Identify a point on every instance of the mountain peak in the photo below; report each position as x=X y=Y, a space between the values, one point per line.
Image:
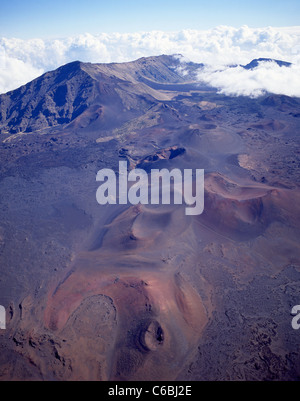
x=255 y=63
x=46 y=101
x=60 y=96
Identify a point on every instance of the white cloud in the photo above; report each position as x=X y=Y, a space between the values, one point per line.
x=23 y=60
x=15 y=72
x=266 y=77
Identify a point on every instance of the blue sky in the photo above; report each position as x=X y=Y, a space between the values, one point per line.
x=57 y=18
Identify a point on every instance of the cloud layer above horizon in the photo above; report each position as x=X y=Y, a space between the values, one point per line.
x=24 y=60
x=266 y=77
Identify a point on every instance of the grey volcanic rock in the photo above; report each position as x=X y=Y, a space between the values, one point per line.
x=144 y=292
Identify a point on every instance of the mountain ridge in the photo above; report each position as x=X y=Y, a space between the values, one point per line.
x=255 y=63
x=58 y=97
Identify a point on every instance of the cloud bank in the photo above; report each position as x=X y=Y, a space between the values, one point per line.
x=266 y=77
x=24 y=60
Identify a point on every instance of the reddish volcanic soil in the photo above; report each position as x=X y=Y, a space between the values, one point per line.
x=160 y=314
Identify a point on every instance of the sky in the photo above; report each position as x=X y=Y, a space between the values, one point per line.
x=38 y=36
x=27 y=19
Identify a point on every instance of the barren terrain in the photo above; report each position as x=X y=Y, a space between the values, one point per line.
x=122 y=292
